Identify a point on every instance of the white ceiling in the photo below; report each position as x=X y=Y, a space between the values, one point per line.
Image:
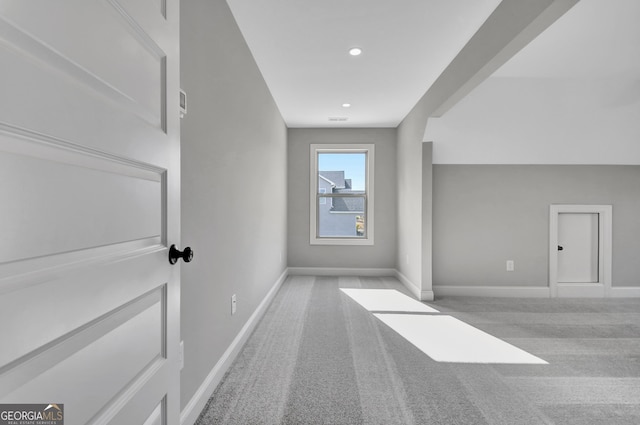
x=301 y=48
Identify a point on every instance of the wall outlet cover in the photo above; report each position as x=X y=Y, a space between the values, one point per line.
x=510 y=265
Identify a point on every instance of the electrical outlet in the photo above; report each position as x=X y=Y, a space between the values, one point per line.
x=510 y=265
x=233 y=304
x=181 y=355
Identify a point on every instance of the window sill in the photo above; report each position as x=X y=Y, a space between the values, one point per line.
x=342 y=241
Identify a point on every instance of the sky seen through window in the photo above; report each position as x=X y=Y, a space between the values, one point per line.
x=353 y=165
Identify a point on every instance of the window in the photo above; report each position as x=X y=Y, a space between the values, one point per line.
x=341 y=194
x=323 y=200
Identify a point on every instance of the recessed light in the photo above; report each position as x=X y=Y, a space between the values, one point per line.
x=346 y=105
x=355 y=51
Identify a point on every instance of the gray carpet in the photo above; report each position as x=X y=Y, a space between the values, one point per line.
x=318 y=357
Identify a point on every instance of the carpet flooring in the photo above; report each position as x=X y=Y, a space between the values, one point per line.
x=318 y=357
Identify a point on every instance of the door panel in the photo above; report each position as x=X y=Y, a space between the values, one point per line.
x=48 y=93
x=47 y=310
x=108 y=35
x=156 y=416
x=149 y=14
x=89 y=182
x=51 y=222
x=104 y=368
x=578 y=237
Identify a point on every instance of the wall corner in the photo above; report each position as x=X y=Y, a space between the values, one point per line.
x=427 y=221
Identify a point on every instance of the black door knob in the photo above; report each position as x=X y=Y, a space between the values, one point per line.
x=175 y=254
x=560 y=248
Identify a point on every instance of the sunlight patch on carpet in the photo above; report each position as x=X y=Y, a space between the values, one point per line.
x=447 y=339
x=386 y=300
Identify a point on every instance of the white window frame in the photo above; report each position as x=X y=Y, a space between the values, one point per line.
x=315 y=149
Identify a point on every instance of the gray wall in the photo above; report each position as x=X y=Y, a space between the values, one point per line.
x=233 y=186
x=383 y=253
x=484 y=215
x=410 y=175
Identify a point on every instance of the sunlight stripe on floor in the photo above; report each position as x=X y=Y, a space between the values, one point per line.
x=447 y=339
x=386 y=300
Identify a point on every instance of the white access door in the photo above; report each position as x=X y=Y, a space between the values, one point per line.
x=89 y=202
x=578 y=242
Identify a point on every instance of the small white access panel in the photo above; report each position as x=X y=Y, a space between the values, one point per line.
x=580 y=250
x=578 y=247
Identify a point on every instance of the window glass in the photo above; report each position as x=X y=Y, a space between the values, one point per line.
x=341 y=201
x=343 y=169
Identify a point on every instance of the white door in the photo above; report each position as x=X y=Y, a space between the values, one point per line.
x=89 y=202
x=578 y=243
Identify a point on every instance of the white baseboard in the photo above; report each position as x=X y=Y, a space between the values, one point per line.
x=581 y=290
x=408 y=284
x=492 y=291
x=369 y=272
x=340 y=271
x=413 y=288
x=531 y=291
x=625 y=292
x=427 y=295
x=192 y=410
